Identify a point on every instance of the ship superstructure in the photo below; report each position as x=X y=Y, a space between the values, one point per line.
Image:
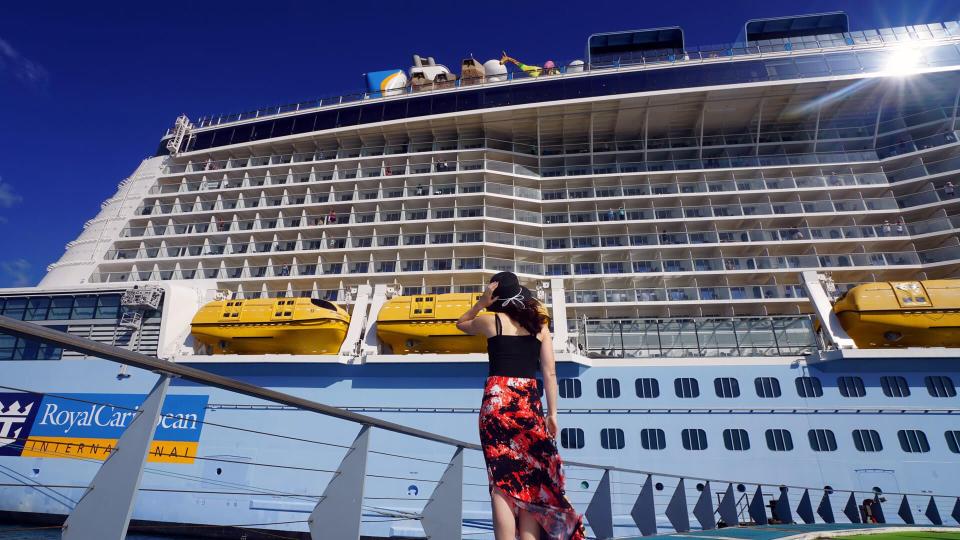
x=662 y=199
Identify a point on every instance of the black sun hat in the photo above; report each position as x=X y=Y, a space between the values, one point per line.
x=509 y=292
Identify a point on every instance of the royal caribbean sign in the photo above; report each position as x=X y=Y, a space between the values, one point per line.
x=88 y=425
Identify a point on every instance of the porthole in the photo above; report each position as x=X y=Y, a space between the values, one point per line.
x=658 y=486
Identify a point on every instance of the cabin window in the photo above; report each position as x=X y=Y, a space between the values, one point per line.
x=647 y=388
x=608 y=388
x=726 y=387
x=571 y=438
x=767 y=387
x=779 y=440
x=686 y=387
x=940 y=386
x=822 y=440
x=867 y=440
x=653 y=439
x=913 y=441
x=894 y=386
x=953 y=440
x=808 y=387
x=851 y=386
x=694 y=439
x=736 y=439
x=611 y=438
x=569 y=388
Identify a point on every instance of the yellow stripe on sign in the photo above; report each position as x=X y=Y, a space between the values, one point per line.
x=67 y=447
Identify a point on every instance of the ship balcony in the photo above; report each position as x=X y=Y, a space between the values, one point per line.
x=609 y=268
x=888 y=207
x=176 y=204
x=646 y=240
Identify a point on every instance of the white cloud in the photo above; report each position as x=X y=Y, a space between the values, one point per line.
x=7 y=197
x=25 y=70
x=17 y=272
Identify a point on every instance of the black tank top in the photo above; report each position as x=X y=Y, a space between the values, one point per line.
x=513 y=356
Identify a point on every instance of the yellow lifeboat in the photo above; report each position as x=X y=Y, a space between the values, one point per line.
x=271 y=326
x=902 y=314
x=427 y=324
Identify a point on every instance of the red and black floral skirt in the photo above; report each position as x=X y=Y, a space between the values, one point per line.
x=522 y=459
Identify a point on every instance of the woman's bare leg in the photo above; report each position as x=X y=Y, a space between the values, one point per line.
x=504 y=522
x=529 y=527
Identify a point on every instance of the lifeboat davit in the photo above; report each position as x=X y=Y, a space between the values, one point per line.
x=902 y=314
x=427 y=324
x=271 y=326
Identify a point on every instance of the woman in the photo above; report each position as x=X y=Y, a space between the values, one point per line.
x=523 y=466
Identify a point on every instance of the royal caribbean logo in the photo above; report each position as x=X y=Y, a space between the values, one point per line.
x=88 y=425
x=17 y=411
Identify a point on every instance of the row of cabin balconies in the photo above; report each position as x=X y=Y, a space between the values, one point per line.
x=799 y=235
x=222 y=200
x=786 y=134
x=736 y=210
x=750 y=265
x=921 y=166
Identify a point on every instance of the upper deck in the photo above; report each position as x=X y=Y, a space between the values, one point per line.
x=849 y=54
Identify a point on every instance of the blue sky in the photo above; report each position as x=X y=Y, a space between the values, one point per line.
x=88 y=88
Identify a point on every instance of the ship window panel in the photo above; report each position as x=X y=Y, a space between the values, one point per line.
x=736 y=440
x=811 y=66
x=851 y=386
x=418 y=107
x=944 y=55
x=809 y=387
x=15 y=308
x=282 y=127
x=108 y=306
x=395 y=110
x=304 y=123
x=894 y=386
x=571 y=438
x=569 y=388
x=348 y=116
x=913 y=441
x=371 y=113
x=843 y=63
x=686 y=387
x=608 y=388
x=262 y=130
x=37 y=308
x=647 y=388
x=779 y=440
x=867 y=440
x=767 y=387
x=468 y=101
x=726 y=387
x=940 y=386
x=694 y=439
x=822 y=440
x=653 y=439
x=953 y=440
x=611 y=438
x=26 y=349
x=7 y=344
x=325 y=120
x=443 y=104
x=84 y=307
x=60 y=307
x=782 y=69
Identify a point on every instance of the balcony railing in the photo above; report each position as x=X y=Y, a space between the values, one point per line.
x=722 y=265
x=704 y=239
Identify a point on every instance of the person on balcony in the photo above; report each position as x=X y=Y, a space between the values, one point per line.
x=519 y=445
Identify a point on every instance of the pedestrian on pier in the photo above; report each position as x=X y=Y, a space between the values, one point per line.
x=519 y=444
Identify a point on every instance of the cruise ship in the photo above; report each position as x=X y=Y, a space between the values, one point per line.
x=664 y=200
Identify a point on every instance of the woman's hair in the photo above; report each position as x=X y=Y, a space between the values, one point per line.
x=532 y=316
